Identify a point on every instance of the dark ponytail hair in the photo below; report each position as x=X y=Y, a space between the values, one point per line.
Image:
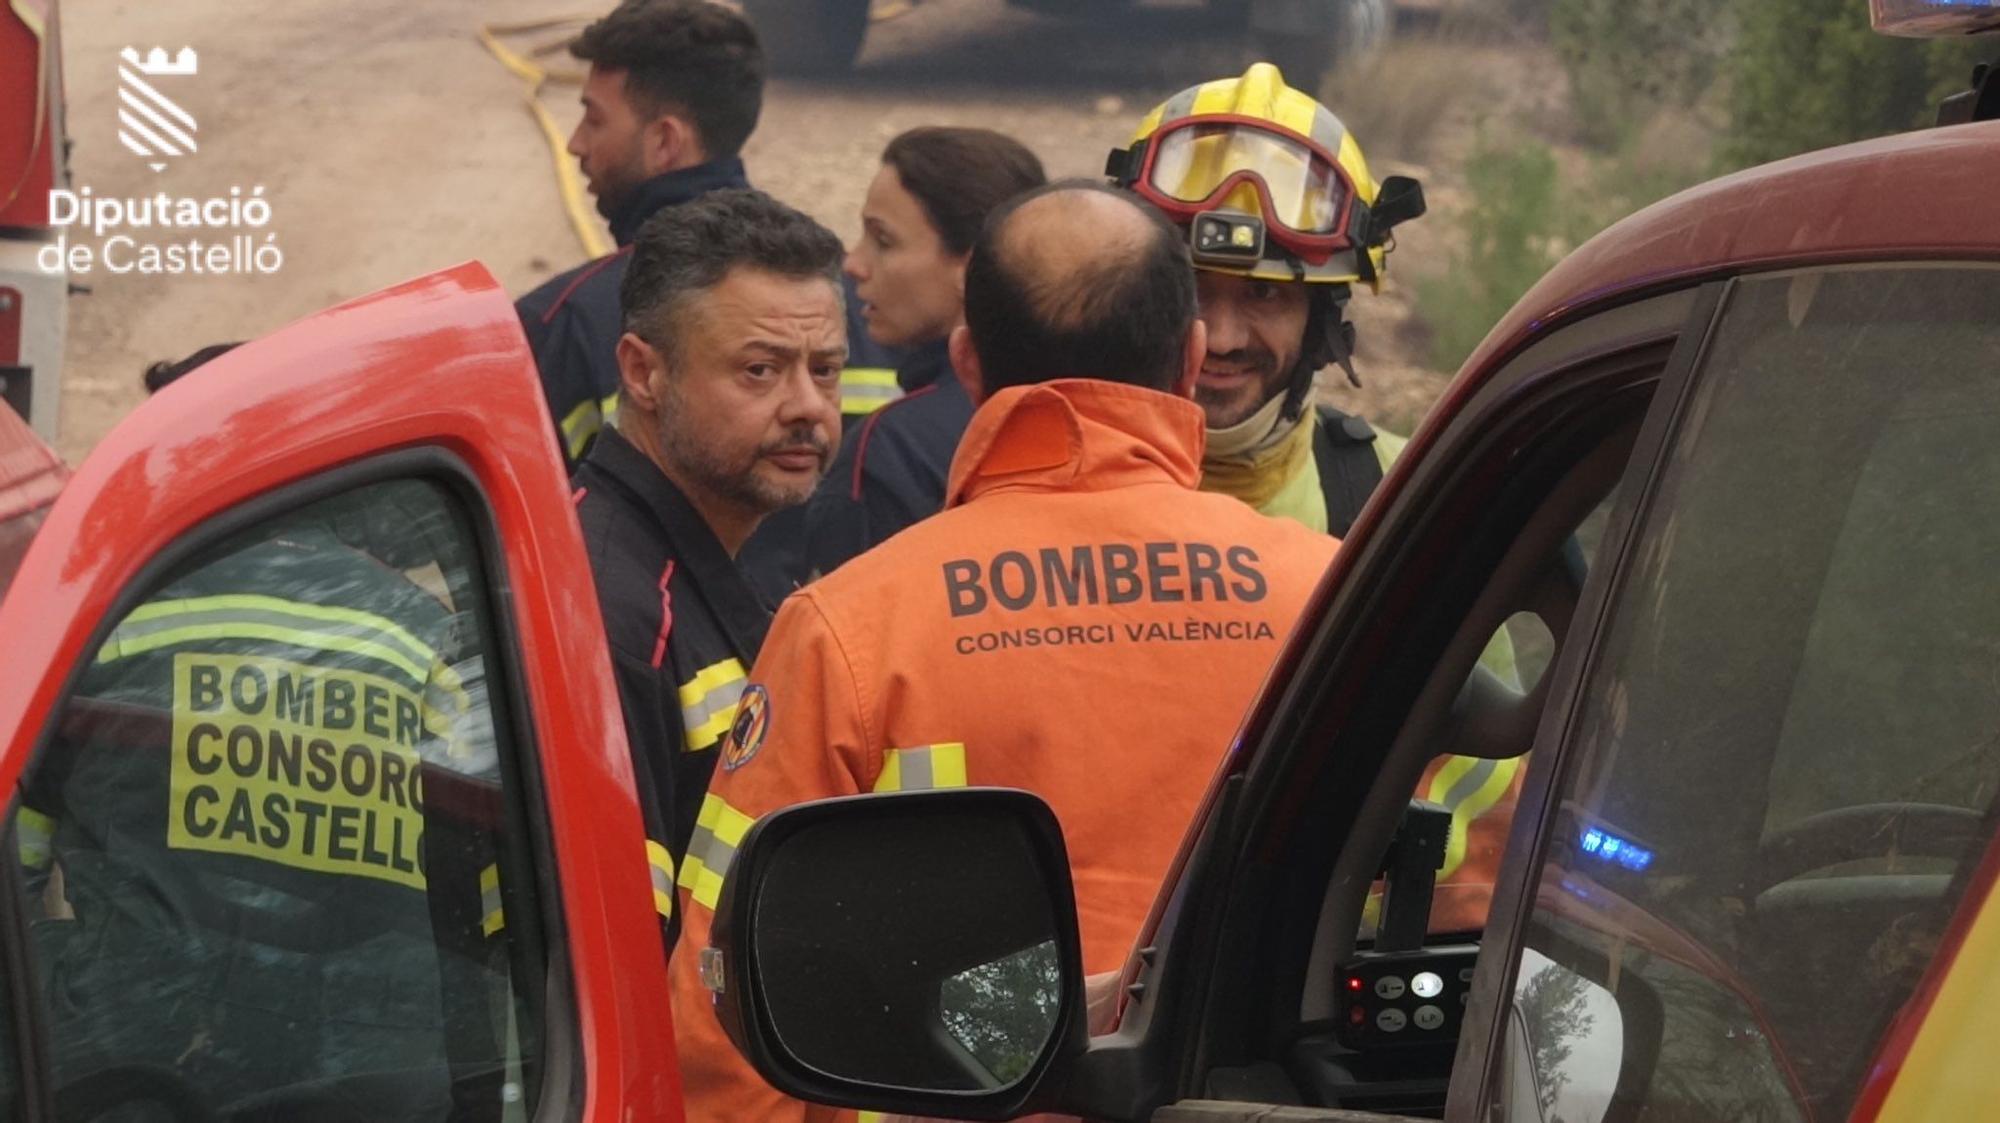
x=961 y=175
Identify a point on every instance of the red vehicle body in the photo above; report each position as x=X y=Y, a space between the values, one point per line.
x=32 y=162
x=359 y=384
x=327 y=392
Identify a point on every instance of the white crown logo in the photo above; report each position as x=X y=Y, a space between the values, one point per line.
x=151 y=124
x=156 y=63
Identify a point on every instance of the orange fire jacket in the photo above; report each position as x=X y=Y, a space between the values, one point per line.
x=1079 y=622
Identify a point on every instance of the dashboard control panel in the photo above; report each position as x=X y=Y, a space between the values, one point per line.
x=1405 y=997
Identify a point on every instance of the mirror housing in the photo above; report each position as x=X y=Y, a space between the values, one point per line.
x=911 y=952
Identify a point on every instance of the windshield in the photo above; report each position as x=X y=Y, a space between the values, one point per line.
x=1790 y=749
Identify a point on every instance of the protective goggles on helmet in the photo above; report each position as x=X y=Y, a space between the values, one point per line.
x=1190 y=167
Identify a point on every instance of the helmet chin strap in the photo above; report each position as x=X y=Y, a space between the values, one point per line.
x=1329 y=339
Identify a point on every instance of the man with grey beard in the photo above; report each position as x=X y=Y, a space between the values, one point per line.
x=729 y=409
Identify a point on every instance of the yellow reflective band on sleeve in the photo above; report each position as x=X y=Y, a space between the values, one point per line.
x=925 y=766
x=867 y=389
x=586 y=421
x=255 y=617
x=492 y=917
x=661 y=865
x=1468 y=787
x=34 y=836
x=718 y=831
x=708 y=703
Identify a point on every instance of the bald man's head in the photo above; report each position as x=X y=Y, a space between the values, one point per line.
x=1079 y=280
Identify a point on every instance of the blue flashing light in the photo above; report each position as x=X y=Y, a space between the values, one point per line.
x=1613 y=850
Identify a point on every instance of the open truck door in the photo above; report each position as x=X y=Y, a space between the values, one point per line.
x=316 y=773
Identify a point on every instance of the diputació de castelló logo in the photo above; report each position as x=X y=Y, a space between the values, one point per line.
x=161 y=233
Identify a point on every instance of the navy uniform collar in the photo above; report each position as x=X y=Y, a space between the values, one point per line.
x=923 y=365
x=672 y=189
x=696 y=549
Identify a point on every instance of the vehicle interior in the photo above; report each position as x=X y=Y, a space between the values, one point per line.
x=1356 y=997
x=1837 y=823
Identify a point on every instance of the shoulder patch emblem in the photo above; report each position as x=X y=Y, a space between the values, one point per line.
x=746 y=733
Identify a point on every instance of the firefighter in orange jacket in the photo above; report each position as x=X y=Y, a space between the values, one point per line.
x=1079 y=621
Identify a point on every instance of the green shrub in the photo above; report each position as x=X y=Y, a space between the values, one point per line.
x=1807 y=74
x=1512 y=233
x=1627 y=59
x=1525 y=213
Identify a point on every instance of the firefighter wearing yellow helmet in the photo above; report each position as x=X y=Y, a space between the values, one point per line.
x=1282 y=219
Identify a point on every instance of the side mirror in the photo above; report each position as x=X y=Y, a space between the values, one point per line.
x=1565 y=1038
x=1397 y=201
x=911 y=952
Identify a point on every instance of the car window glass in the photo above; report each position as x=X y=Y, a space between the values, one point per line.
x=266 y=847
x=1481 y=793
x=1786 y=762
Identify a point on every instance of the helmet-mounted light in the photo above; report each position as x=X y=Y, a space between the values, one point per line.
x=1226 y=239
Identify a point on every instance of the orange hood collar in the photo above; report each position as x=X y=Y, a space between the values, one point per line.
x=1077 y=434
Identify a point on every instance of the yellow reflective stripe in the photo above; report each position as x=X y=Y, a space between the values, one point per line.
x=493 y=917
x=253 y=602
x=115 y=649
x=254 y=616
x=157 y=617
x=867 y=389
x=583 y=423
x=661 y=866
x=1468 y=787
x=436 y=721
x=34 y=836
x=718 y=830
x=708 y=703
x=924 y=766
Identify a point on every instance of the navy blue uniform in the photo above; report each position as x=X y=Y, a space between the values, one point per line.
x=684 y=627
x=891 y=471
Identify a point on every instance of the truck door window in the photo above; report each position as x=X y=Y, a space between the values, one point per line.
x=1786 y=760
x=271 y=850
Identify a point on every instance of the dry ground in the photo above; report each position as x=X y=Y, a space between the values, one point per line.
x=390 y=144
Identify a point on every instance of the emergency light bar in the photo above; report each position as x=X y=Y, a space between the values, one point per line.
x=1614 y=850
x=1928 y=18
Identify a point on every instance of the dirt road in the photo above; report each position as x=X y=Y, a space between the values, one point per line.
x=389 y=143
